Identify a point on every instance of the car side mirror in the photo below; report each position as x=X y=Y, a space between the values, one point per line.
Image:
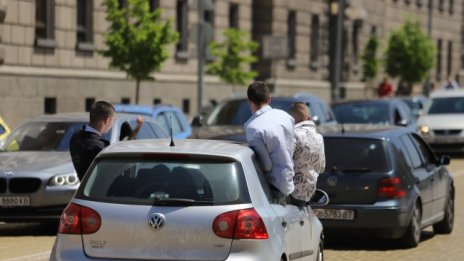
x=319 y=198
x=402 y=122
x=315 y=119
x=444 y=160
x=197 y=121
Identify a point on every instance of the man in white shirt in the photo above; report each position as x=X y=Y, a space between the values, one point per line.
x=270 y=133
x=309 y=155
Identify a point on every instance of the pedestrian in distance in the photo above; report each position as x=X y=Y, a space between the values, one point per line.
x=87 y=142
x=308 y=157
x=385 y=88
x=270 y=133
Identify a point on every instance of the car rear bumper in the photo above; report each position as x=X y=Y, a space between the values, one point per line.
x=31 y=214
x=382 y=222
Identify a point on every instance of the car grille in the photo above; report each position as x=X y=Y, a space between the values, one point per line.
x=24 y=185
x=447 y=132
x=2 y=186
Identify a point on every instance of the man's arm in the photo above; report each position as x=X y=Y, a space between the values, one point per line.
x=255 y=141
x=134 y=132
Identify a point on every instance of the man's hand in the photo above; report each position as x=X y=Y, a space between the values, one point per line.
x=139 y=120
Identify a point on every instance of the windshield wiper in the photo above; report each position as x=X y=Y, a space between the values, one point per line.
x=353 y=169
x=180 y=202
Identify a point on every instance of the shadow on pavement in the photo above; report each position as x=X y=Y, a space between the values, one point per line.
x=28 y=229
x=367 y=243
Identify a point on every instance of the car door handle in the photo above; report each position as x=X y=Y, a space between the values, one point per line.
x=302 y=222
x=284 y=223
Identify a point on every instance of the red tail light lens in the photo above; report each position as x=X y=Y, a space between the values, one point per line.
x=77 y=219
x=240 y=224
x=391 y=188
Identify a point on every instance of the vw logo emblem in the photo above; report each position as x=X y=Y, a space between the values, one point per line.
x=8 y=173
x=156 y=221
x=332 y=181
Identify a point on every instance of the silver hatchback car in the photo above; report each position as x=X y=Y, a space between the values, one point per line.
x=37 y=177
x=197 y=200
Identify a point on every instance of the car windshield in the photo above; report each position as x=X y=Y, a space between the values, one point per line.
x=237 y=112
x=445 y=105
x=166 y=182
x=41 y=136
x=356 y=155
x=373 y=113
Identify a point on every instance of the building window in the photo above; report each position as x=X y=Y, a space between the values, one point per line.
x=449 y=66
x=88 y=103
x=125 y=100
x=233 y=16
x=182 y=29
x=441 y=5
x=85 y=25
x=407 y=1
x=122 y=4
x=450 y=7
x=156 y=101
x=154 y=4
x=438 y=69
x=314 y=41
x=45 y=23
x=373 y=30
x=355 y=39
x=291 y=35
x=419 y=3
x=50 y=105
x=186 y=106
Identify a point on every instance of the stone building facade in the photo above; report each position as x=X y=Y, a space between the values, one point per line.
x=51 y=64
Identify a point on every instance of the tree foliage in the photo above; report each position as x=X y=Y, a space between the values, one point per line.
x=137 y=39
x=370 y=63
x=410 y=53
x=233 y=58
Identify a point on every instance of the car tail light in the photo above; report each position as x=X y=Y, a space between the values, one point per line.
x=240 y=224
x=78 y=219
x=391 y=188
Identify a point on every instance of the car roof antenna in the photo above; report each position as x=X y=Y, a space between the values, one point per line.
x=170 y=132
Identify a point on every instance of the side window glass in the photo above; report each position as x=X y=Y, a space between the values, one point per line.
x=161 y=120
x=172 y=117
x=159 y=131
x=144 y=133
x=262 y=180
x=412 y=151
x=424 y=150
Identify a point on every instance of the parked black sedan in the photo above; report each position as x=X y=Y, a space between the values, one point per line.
x=384 y=182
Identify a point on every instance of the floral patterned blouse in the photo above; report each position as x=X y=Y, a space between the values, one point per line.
x=309 y=159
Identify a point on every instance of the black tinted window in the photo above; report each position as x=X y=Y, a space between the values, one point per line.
x=235 y=112
x=362 y=113
x=415 y=158
x=424 y=150
x=146 y=182
x=356 y=154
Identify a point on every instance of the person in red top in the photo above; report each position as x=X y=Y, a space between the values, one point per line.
x=385 y=88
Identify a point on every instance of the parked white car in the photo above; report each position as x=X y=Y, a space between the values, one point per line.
x=197 y=200
x=442 y=124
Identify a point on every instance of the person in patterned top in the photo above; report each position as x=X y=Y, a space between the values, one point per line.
x=308 y=156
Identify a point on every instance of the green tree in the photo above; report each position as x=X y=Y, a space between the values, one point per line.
x=233 y=58
x=410 y=54
x=137 y=39
x=370 y=63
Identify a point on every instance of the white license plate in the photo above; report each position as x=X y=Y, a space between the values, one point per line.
x=343 y=214
x=14 y=201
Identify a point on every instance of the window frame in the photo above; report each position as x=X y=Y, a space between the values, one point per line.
x=84 y=29
x=45 y=30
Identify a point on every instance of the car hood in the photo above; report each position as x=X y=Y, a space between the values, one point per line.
x=442 y=121
x=33 y=161
x=220 y=132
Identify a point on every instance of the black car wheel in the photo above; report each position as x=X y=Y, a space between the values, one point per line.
x=412 y=236
x=446 y=225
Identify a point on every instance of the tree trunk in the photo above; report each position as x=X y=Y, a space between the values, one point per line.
x=137 y=91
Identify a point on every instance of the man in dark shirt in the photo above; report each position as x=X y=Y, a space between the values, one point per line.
x=87 y=142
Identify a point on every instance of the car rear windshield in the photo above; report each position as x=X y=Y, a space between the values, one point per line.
x=446 y=105
x=374 y=113
x=165 y=182
x=42 y=136
x=356 y=154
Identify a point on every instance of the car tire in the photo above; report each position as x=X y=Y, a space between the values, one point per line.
x=412 y=235
x=445 y=226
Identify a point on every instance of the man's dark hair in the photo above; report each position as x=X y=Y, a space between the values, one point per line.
x=258 y=92
x=99 y=111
